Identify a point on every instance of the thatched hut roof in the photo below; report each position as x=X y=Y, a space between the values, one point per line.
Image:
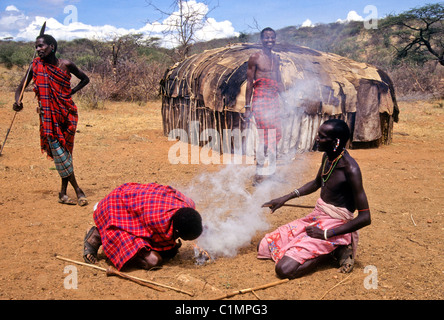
x=316 y=82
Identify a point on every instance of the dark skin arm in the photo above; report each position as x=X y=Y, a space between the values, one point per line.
x=363 y=218
x=306 y=189
x=251 y=71
x=72 y=68
x=18 y=105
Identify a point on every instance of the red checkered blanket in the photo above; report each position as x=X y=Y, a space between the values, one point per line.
x=135 y=216
x=53 y=88
x=266 y=108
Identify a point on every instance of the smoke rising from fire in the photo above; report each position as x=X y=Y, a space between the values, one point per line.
x=231 y=208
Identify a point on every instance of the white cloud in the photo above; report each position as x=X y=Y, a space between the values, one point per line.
x=14 y=23
x=351 y=16
x=207 y=28
x=11 y=8
x=216 y=30
x=307 y=23
x=11 y=20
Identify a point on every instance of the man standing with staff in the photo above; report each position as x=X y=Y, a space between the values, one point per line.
x=57 y=111
x=299 y=246
x=264 y=84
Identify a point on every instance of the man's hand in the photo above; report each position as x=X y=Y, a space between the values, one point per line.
x=17 y=106
x=275 y=203
x=39 y=110
x=314 y=232
x=247 y=113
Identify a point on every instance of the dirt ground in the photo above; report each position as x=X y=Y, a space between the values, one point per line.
x=399 y=256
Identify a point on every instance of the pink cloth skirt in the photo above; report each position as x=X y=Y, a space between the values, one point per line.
x=292 y=241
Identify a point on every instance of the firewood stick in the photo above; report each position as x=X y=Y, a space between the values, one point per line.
x=80 y=263
x=264 y=286
x=297 y=206
x=292 y=205
x=110 y=271
x=339 y=283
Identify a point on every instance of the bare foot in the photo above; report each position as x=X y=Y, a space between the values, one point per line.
x=91 y=245
x=345 y=257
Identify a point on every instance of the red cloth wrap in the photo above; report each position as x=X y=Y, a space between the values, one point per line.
x=52 y=87
x=266 y=109
x=135 y=216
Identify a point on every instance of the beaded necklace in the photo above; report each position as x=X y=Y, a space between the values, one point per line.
x=332 y=167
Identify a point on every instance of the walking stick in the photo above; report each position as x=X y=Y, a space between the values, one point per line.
x=42 y=32
x=7 y=133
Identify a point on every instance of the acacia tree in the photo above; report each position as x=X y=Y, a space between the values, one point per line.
x=421 y=31
x=182 y=21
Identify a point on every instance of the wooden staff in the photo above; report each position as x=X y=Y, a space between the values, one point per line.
x=42 y=32
x=111 y=271
x=264 y=286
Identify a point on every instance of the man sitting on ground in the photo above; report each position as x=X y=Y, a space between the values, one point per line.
x=299 y=246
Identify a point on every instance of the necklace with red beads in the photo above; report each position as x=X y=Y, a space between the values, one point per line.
x=326 y=175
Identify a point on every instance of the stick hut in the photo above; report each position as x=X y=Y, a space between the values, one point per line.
x=208 y=89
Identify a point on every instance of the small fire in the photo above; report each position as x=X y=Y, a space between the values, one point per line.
x=201 y=256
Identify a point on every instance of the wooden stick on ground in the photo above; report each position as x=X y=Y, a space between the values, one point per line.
x=264 y=286
x=336 y=285
x=111 y=271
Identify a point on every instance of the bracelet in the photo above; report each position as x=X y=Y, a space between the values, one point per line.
x=247 y=106
x=325 y=234
x=296 y=191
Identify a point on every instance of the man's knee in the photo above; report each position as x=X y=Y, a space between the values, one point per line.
x=287 y=268
x=153 y=259
x=148 y=259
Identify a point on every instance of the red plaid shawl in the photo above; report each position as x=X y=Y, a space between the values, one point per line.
x=53 y=89
x=135 y=216
x=266 y=108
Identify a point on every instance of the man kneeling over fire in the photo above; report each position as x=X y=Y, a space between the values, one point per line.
x=138 y=225
x=299 y=246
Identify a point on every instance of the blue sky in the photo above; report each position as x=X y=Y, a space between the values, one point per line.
x=20 y=18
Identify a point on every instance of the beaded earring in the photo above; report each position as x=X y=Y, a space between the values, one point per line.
x=336 y=146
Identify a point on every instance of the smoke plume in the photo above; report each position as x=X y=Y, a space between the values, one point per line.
x=231 y=208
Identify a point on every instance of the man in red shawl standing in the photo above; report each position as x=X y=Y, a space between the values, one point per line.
x=263 y=85
x=58 y=113
x=138 y=225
